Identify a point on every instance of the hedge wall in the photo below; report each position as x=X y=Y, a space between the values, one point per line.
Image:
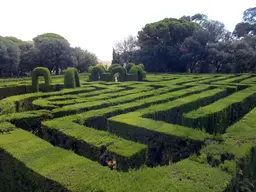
x=40 y=71
x=121 y=71
x=71 y=78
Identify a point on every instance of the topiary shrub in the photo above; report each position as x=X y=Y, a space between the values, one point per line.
x=96 y=73
x=41 y=71
x=113 y=66
x=142 y=66
x=101 y=66
x=129 y=66
x=90 y=69
x=141 y=75
x=71 y=78
x=105 y=77
x=121 y=71
x=131 y=77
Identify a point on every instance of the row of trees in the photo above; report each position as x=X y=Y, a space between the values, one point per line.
x=49 y=50
x=192 y=44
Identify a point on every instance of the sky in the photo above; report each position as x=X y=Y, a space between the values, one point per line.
x=96 y=25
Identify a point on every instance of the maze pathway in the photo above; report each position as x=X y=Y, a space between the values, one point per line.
x=170 y=133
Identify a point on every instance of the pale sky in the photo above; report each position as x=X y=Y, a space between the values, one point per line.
x=96 y=25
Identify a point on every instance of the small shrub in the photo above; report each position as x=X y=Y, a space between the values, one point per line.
x=129 y=66
x=71 y=78
x=41 y=71
x=122 y=73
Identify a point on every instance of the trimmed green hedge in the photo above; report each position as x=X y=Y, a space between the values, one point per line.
x=71 y=78
x=215 y=118
x=90 y=143
x=129 y=66
x=105 y=77
x=90 y=69
x=113 y=66
x=40 y=71
x=136 y=70
x=24 y=169
x=121 y=71
x=131 y=77
x=96 y=73
x=142 y=66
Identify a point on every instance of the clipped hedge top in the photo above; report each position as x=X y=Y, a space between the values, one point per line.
x=131 y=115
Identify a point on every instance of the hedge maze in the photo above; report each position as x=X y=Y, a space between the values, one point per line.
x=168 y=133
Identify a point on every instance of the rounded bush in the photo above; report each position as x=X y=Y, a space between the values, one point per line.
x=142 y=66
x=96 y=73
x=71 y=78
x=138 y=71
x=113 y=66
x=41 y=71
x=129 y=66
x=101 y=66
x=121 y=71
x=90 y=69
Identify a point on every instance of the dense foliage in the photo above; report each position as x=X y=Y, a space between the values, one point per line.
x=193 y=44
x=171 y=133
x=71 y=78
x=40 y=71
x=48 y=50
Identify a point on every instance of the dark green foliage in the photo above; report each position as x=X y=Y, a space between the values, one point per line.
x=84 y=59
x=90 y=69
x=102 y=67
x=9 y=57
x=131 y=77
x=129 y=66
x=121 y=73
x=113 y=66
x=96 y=73
x=135 y=123
x=41 y=71
x=6 y=127
x=142 y=66
x=71 y=78
x=54 y=52
x=105 y=77
x=136 y=70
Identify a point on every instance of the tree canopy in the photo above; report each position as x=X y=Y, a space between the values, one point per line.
x=195 y=44
x=48 y=50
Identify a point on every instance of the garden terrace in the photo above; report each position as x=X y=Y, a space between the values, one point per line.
x=167 y=133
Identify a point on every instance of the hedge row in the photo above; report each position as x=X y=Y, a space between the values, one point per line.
x=93 y=144
x=126 y=119
x=118 y=92
x=236 y=79
x=24 y=102
x=25 y=169
x=131 y=72
x=215 y=118
x=78 y=108
x=236 y=153
x=24 y=89
x=127 y=107
x=55 y=101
